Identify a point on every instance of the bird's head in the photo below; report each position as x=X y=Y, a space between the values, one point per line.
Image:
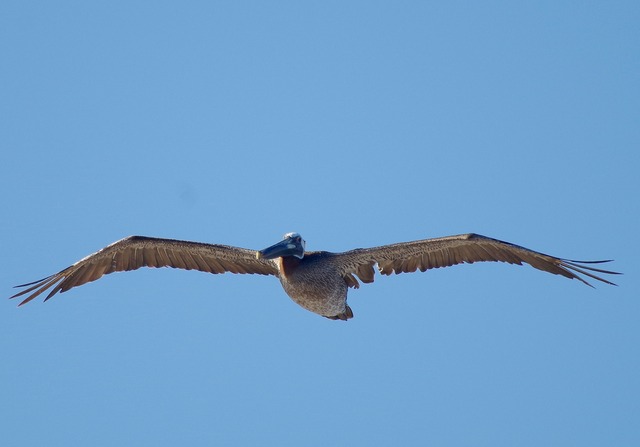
x=291 y=244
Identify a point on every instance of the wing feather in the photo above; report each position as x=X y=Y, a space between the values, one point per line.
x=134 y=252
x=448 y=251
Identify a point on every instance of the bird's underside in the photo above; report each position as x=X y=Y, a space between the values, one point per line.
x=319 y=274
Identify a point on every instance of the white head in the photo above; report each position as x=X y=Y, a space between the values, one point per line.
x=291 y=244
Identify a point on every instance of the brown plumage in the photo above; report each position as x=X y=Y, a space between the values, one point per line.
x=134 y=252
x=318 y=281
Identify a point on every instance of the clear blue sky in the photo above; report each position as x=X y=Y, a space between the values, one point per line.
x=355 y=124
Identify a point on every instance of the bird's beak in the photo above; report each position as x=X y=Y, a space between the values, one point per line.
x=286 y=247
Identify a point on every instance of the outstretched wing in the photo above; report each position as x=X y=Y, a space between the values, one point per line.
x=134 y=252
x=447 y=251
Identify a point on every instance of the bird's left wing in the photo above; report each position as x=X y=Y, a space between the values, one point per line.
x=447 y=251
x=134 y=252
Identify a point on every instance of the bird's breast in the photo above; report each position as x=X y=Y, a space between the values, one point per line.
x=314 y=285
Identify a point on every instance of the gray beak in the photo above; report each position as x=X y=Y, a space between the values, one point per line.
x=286 y=247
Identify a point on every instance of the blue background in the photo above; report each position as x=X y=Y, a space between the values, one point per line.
x=356 y=124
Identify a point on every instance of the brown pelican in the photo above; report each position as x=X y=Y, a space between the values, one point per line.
x=316 y=280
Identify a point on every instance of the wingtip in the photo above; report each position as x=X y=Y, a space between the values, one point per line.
x=24 y=301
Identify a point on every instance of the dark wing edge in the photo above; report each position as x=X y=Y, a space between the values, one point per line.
x=134 y=252
x=452 y=250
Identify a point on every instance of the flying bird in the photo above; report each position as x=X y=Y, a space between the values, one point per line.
x=316 y=280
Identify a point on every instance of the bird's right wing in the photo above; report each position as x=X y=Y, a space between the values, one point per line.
x=134 y=252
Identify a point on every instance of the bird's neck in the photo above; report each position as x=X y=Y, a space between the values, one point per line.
x=288 y=264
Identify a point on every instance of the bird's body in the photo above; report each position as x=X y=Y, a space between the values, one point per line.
x=315 y=283
x=316 y=280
